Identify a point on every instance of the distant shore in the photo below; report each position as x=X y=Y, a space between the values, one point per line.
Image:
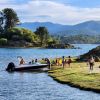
x=17 y=47
x=68 y=46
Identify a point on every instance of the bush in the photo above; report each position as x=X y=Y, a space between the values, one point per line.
x=3 y=41
x=14 y=31
x=20 y=34
x=28 y=35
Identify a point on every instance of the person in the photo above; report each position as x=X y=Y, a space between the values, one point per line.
x=69 y=61
x=56 y=62
x=63 y=62
x=32 y=61
x=22 y=61
x=60 y=62
x=48 y=62
x=91 y=63
x=10 y=67
x=36 y=61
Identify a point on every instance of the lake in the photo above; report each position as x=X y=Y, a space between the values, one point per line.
x=38 y=86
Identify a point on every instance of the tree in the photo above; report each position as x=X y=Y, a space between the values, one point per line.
x=11 y=18
x=3 y=41
x=1 y=22
x=43 y=33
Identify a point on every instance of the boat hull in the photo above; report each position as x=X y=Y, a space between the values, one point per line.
x=26 y=67
x=32 y=67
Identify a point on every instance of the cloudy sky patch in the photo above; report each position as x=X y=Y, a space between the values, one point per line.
x=56 y=11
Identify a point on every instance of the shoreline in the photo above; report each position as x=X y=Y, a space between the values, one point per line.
x=17 y=47
x=34 y=47
x=75 y=85
x=75 y=47
x=79 y=77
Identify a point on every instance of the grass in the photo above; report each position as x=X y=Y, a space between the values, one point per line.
x=78 y=76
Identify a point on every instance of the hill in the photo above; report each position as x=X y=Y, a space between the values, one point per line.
x=81 y=39
x=52 y=28
x=89 y=27
x=94 y=52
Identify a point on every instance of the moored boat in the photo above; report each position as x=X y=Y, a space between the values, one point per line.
x=25 y=67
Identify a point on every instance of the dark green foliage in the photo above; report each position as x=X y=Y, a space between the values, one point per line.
x=20 y=34
x=52 y=41
x=43 y=34
x=13 y=32
x=81 y=39
x=11 y=18
x=3 y=41
x=1 y=22
x=28 y=35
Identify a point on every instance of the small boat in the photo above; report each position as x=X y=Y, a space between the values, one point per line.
x=25 y=67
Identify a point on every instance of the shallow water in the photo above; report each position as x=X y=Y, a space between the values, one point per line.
x=38 y=86
x=10 y=54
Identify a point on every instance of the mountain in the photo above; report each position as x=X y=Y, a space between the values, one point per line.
x=89 y=27
x=52 y=28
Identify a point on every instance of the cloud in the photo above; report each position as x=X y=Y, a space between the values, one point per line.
x=45 y=10
x=3 y=1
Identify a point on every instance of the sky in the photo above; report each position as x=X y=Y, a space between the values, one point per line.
x=67 y=12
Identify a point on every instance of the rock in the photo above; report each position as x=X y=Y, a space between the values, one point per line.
x=20 y=43
x=61 y=46
x=94 y=52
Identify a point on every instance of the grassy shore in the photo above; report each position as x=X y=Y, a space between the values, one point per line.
x=78 y=75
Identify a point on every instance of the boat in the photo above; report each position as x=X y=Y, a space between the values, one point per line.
x=25 y=67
